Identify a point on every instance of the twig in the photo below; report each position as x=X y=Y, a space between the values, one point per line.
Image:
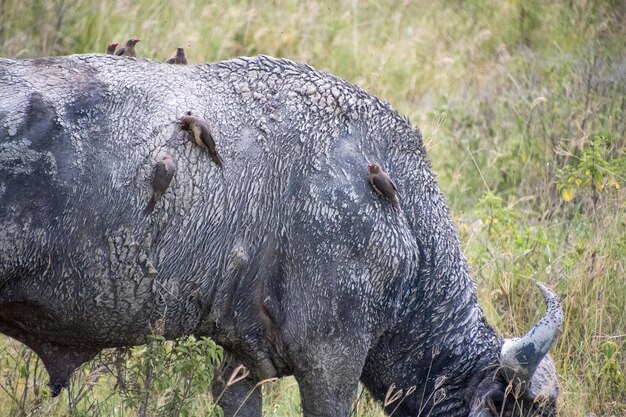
x=471 y=155
x=356 y=402
x=251 y=391
x=143 y=407
x=15 y=400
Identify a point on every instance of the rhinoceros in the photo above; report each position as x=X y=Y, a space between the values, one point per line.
x=286 y=256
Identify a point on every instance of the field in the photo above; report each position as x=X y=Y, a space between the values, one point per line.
x=521 y=105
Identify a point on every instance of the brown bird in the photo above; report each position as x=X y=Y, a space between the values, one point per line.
x=179 y=58
x=382 y=184
x=163 y=174
x=111 y=48
x=129 y=48
x=202 y=136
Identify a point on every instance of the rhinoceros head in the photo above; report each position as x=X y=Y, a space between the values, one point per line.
x=526 y=383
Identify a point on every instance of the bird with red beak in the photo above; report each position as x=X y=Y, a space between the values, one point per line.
x=111 y=48
x=128 y=49
x=163 y=174
x=202 y=136
x=179 y=58
x=383 y=185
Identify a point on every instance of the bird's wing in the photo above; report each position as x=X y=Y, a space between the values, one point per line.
x=206 y=136
x=197 y=134
x=379 y=182
x=162 y=177
x=120 y=51
x=393 y=184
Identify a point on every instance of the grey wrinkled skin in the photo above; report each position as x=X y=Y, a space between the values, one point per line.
x=286 y=257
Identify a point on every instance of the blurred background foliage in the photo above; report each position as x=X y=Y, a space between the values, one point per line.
x=521 y=104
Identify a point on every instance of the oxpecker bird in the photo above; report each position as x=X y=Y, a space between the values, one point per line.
x=202 y=136
x=163 y=174
x=179 y=58
x=111 y=48
x=382 y=184
x=128 y=49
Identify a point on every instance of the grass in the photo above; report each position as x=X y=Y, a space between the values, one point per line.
x=521 y=104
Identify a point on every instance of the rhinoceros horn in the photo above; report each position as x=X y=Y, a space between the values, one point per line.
x=521 y=357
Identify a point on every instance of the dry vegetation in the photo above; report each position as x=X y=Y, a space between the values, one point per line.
x=521 y=103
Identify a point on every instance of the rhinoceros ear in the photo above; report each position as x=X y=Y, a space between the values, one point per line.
x=521 y=357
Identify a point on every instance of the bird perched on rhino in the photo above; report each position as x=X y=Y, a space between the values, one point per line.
x=382 y=184
x=111 y=48
x=128 y=49
x=202 y=135
x=163 y=174
x=179 y=58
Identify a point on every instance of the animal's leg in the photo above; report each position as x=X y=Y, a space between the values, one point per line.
x=60 y=361
x=242 y=398
x=328 y=384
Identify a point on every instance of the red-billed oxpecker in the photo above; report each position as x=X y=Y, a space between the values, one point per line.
x=163 y=174
x=111 y=48
x=179 y=58
x=202 y=136
x=129 y=48
x=382 y=184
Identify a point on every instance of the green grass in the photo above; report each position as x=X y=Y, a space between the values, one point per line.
x=521 y=104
